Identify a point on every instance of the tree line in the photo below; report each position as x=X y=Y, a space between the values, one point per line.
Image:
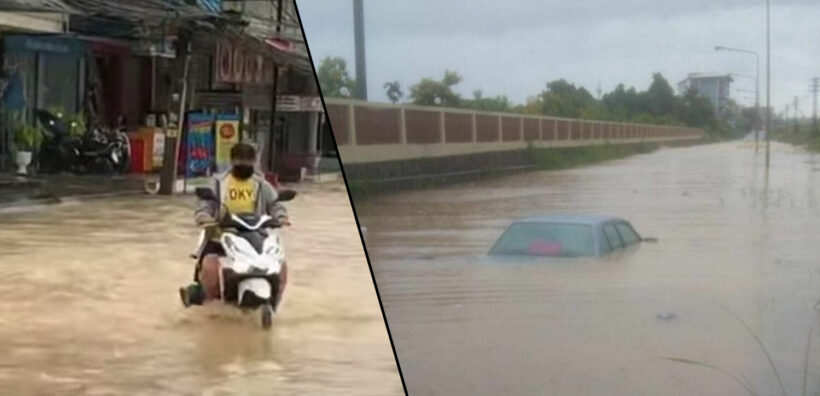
x=559 y=98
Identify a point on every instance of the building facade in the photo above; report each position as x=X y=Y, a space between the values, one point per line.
x=115 y=59
x=715 y=87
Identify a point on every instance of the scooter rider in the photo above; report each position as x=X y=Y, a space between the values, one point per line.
x=241 y=191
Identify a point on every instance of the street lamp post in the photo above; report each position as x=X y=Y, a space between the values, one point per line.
x=757 y=86
x=768 y=85
x=358 y=28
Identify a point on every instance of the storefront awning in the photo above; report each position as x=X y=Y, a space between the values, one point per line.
x=36 y=6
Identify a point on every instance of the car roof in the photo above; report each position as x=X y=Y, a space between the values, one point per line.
x=570 y=219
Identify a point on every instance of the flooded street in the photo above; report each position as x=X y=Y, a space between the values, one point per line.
x=733 y=240
x=90 y=306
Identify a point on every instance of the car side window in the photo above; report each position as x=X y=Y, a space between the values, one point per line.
x=612 y=236
x=628 y=234
x=606 y=247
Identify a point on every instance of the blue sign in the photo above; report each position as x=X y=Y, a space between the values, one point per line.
x=55 y=45
x=214 y=6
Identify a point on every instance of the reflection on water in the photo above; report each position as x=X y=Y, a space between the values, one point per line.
x=90 y=306
x=731 y=237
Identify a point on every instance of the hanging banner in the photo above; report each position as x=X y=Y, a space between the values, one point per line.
x=227 y=135
x=200 y=145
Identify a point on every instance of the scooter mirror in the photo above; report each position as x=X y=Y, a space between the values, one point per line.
x=205 y=194
x=286 y=195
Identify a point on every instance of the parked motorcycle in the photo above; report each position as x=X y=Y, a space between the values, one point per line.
x=100 y=151
x=59 y=151
x=254 y=256
x=115 y=140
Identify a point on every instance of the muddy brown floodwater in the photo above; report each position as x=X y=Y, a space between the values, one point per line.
x=732 y=241
x=89 y=305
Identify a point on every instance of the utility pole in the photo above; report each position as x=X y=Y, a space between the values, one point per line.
x=358 y=28
x=274 y=139
x=796 y=107
x=173 y=129
x=768 y=82
x=815 y=86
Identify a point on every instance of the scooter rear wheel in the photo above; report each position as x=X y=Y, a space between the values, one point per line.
x=267 y=316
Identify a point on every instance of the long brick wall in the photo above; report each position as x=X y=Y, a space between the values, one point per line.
x=368 y=132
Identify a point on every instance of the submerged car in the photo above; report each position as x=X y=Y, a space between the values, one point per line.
x=566 y=236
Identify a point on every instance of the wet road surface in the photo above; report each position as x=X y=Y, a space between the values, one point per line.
x=732 y=241
x=89 y=306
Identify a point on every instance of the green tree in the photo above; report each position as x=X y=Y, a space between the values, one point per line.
x=696 y=111
x=334 y=78
x=393 y=91
x=429 y=92
x=479 y=102
x=660 y=97
x=562 y=99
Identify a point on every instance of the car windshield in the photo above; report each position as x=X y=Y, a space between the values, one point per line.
x=546 y=239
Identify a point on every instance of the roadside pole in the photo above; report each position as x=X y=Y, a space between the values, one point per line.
x=173 y=132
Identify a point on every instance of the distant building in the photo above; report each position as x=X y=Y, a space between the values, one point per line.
x=715 y=87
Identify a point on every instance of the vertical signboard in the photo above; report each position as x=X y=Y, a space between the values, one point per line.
x=200 y=145
x=227 y=135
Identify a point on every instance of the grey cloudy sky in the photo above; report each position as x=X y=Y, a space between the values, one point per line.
x=514 y=47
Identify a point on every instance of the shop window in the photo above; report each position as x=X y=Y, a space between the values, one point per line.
x=58 y=82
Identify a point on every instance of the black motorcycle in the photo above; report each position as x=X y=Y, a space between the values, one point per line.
x=100 y=151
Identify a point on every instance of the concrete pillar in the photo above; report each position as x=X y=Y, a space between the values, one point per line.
x=351 y=126
x=500 y=130
x=441 y=137
x=521 y=129
x=540 y=129
x=402 y=127
x=475 y=129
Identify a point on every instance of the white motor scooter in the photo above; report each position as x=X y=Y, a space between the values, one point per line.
x=250 y=275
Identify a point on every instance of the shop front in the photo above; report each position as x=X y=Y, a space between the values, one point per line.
x=39 y=72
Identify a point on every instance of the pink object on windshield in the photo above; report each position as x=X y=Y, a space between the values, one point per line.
x=544 y=248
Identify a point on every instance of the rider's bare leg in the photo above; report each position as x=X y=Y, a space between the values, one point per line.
x=209 y=276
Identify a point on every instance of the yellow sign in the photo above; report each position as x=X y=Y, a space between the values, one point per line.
x=227 y=135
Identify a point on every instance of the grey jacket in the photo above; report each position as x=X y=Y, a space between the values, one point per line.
x=266 y=202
